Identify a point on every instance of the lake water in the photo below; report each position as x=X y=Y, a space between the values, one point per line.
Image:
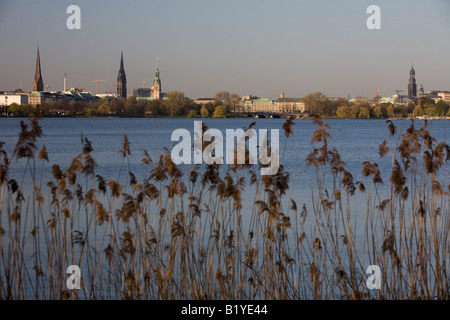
x=356 y=140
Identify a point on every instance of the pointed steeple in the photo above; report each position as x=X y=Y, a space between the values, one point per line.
x=38 y=84
x=157 y=85
x=157 y=75
x=157 y=79
x=121 y=62
x=121 y=79
x=412 y=85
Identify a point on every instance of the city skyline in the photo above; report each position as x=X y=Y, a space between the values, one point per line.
x=263 y=49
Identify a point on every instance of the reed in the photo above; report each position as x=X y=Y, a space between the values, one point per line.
x=187 y=235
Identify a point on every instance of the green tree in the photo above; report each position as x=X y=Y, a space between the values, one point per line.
x=430 y=111
x=364 y=113
x=342 y=112
x=390 y=111
x=220 y=112
x=14 y=109
x=402 y=110
x=204 y=112
x=336 y=104
x=410 y=107
x=210 y=107
x=347 y=112
x=192 y=114
x=378 y=112
x=425 y=102
x=354 y=111
x=441 y=108
x=89 y=112
x=23 y=110
x=418 y=111
x=103 y=109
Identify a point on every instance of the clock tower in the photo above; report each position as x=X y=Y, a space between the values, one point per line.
x=412 y=86
x=157 y=86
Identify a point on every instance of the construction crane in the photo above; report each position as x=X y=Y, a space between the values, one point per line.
x=422 y=90
x=97 y=81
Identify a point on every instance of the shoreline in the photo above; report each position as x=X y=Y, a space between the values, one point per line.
x=306 y=117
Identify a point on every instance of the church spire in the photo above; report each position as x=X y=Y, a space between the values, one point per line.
x=157 y=72
x=38 y=84
x=121 y=80
x=157 y=84
x=121 y=62
x=412 y=85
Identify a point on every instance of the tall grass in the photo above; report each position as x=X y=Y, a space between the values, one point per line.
x=178 y=235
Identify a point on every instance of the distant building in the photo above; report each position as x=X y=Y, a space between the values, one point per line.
x=108 y=96
x=261 y=105
x=437 y=95
x=289 y=105
x=38 y=83
x=444 y=95
x=202 y=101
x=153 y=93
x=121 y=80
x=391 y=100
x=246 y=98
x=157 y=86
x=142 y=92
x=412 y=86
x=39 y=97
x=8 y=99
x=256 y=104
x=81 y=96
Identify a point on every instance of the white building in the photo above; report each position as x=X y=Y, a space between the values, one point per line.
x=8 y=99
x=289 y=105
x=444 y=95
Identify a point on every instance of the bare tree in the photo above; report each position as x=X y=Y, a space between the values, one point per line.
x=317 y=102
x=174 y=102
x=223 y=98
x=235 y=101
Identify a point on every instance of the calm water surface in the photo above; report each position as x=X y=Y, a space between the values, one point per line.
x=356 y=140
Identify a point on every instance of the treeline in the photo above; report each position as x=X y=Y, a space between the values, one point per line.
x=362 y=108
x=175 y=104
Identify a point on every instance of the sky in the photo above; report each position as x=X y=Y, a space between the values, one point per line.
x=248 y=47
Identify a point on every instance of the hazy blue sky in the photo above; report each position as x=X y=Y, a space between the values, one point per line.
x=256 y=47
